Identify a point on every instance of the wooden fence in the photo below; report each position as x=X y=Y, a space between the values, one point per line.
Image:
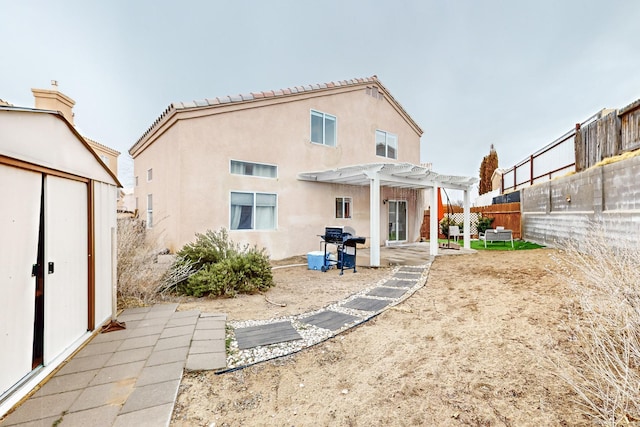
x=506 y=215
x=606 y=134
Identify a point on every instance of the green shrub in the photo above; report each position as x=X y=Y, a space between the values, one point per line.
x=209 y=248
x=223 y=267
x=484 y=223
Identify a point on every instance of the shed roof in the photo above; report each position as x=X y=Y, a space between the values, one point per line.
x=252 y=97
x=26 y=140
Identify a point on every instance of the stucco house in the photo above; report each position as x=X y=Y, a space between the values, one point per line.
x=276 y=167
x=57 y=218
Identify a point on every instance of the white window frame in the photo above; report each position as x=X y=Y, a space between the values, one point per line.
x=253 y=212
x=275 y=169
x=149 y=174
x=345 y=201
x=386 y=144
x=324 y=128
x=149 y=210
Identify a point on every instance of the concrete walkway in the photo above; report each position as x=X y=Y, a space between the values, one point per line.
x=128 y=377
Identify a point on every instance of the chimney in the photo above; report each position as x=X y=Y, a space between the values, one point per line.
x=52 y=99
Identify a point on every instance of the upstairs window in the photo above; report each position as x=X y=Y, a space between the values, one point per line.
x=254 y=169
x=386 y=144
x=149 y=210
x=253 y=211
x=323 y=128
x=343 y=207
x=149 y=175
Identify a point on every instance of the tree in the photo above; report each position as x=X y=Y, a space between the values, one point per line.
x=487 y=167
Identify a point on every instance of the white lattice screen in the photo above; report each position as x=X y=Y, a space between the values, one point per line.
x=459 y=218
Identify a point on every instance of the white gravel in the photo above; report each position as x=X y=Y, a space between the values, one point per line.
x=310 y=334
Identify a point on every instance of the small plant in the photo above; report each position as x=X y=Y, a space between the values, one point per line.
x=223 y=268
x=484 y=223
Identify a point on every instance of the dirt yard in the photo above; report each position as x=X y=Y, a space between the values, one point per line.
x=470 y=348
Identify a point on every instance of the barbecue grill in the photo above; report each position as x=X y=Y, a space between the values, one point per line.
x=345 y=241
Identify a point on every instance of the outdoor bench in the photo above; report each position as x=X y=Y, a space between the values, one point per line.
x=494 y=235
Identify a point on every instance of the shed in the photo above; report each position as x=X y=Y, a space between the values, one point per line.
x=57 y=218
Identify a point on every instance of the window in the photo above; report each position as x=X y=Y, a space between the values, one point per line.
x=386 y=144
x=136 y=181
x=323 y=128
x=149 y=174
x=343 y=207
x=253 y=169
x=253 y=211
x=149 y=210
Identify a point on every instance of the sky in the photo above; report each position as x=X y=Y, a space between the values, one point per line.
x=471 y=73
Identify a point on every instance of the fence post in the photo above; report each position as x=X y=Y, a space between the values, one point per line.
x=578 y=149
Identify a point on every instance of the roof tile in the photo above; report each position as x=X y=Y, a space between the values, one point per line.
x=253 y=96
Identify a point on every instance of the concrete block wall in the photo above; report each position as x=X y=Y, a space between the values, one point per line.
x=570 y=207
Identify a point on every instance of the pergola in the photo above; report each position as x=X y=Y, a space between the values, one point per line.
x=397 y=175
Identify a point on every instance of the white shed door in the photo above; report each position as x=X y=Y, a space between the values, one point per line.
x=66 y=247
x=19 y=224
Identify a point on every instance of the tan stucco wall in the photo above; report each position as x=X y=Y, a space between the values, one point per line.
x=192 y=182
x=110 y=154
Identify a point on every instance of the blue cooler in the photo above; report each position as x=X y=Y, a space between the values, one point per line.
x=315 y=260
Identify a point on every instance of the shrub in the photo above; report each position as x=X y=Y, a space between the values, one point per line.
x=139 y=276
x=484 y=223
x=605 y=281
x=223 y=267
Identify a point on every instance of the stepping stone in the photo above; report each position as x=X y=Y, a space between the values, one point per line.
x=271 y=333
x=367 y=304
x=400 y=283
x=405 y=275
x=331 y=320
x=409 y=269
x=387 y=292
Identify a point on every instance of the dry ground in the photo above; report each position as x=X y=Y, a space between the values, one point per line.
x=470 y=348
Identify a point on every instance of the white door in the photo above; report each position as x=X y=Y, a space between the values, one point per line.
x=20 y=193
x=397 y=220
x=66 y=264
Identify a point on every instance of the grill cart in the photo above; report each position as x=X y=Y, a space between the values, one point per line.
x=345 y=241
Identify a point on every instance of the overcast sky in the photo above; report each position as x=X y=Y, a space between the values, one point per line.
x=516 y=74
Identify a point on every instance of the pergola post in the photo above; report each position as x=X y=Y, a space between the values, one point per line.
x=467 y=219
x=374 y=223
x=433 y=222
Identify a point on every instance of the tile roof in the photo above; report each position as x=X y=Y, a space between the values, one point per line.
x=254 y=96
x=266 y=94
